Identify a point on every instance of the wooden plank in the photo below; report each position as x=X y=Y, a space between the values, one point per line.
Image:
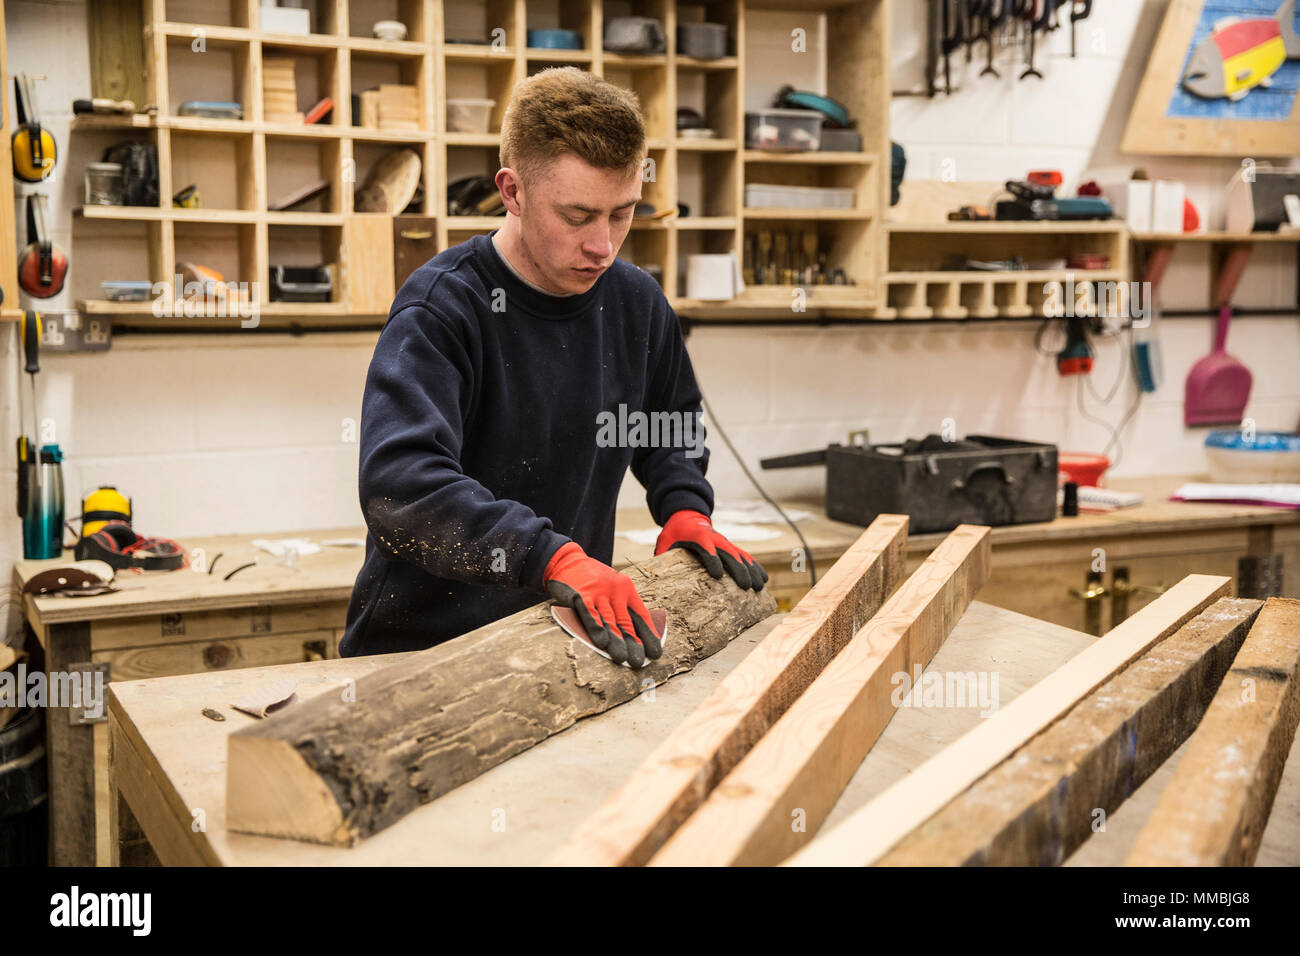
x=246 y=621
x=368 y=262
x=162 y=659
x=135 y=773
x=334 y=770
x=1214 y=811
x=685 y=768
x=116 y=32
x=8 y=248
x=70 y=752
x=784 y=788
x=1038 y=806
x=882 y=823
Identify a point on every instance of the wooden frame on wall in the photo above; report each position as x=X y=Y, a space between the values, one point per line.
x=1152 y=130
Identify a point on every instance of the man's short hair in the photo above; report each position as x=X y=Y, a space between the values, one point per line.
x=567 y=110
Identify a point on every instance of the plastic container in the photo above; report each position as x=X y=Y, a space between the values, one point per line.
x=788 y=131
x=1267 y=457
x=704 y=41
x=761 y=195
x=211 y=109
x=465 y=115
x=104 y=184
x=126 y=290
x=1082 y=469
x=841 y=140
x=554 y=39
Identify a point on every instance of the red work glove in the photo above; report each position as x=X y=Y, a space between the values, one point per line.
x=694 y=532
x=607 y=604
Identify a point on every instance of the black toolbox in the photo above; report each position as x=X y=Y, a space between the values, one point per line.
x=301 y=283
x=938 y=484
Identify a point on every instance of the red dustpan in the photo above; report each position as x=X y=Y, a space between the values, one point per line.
x=1218 y=386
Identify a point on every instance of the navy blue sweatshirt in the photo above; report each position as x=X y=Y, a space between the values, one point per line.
x=479 y=440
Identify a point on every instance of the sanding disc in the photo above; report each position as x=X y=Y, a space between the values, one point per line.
x=567 y=619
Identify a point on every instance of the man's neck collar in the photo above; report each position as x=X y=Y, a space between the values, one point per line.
x=497 y=245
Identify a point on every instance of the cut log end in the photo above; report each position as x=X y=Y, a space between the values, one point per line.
x=272 y=791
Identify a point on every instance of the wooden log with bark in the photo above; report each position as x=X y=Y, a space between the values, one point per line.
x=1215 y=809
x=338 y=768
x=1039 y=805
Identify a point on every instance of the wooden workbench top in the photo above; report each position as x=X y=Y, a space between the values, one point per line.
x=170 y=761
x=330 y=574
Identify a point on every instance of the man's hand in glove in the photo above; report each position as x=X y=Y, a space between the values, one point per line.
x=606 y=603
x=694 y=532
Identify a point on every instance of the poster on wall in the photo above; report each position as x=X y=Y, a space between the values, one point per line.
x=1223 y=80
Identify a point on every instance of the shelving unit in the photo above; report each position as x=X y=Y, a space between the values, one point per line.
x=216 y=50
x=921 y=284
x=1229 y=253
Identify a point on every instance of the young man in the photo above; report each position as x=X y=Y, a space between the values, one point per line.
x=485 y=480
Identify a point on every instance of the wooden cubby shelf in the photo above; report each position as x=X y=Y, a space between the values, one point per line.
x=923 y=284
x=478 y=49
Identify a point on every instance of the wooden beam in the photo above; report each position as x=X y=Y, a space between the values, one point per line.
x=782 y=791
x=117 y=69
x=1038 y=806
x=1215 y=809
x=883 y=822
x=334 y=770
x=684 y=769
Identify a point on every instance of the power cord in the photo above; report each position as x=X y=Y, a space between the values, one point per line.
x=812 y=567
x=1115 y=442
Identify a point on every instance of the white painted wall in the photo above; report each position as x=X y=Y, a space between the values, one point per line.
x=216 y=434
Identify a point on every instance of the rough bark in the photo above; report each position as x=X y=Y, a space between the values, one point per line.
x=1038 y=806
x=1215 y=809
x=334 y=771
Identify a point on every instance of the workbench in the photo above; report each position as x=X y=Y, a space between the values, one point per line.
x=169 y=761
x=192 y=621
x=186 y=622
x=172 y=623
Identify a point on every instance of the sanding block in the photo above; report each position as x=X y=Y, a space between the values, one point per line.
x=568 y=619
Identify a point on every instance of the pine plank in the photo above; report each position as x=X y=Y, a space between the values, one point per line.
x=783 y=790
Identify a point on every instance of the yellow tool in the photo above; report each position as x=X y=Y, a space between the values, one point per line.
x=34 y=151
x=101 y=506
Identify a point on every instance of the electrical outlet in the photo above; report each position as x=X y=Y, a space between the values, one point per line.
x=73 y=332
